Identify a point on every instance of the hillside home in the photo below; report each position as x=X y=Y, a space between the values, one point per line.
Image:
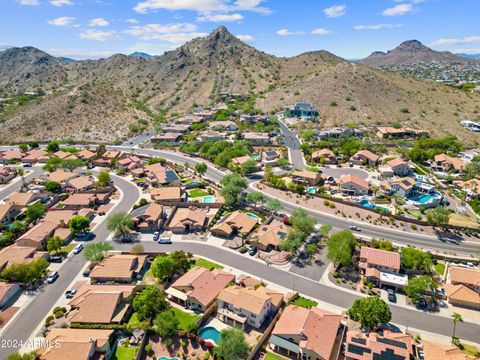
x=445 y=163
x=270 y=157
x=352 y=185
x=256 y=138
x=385 y=132
x=227 y=125
x=169 y=137
x=176 y=128
x=301 y=109
x=119 y=268
x=269 y=236
x=199 y=288
x=325 y=156
x=390 y=345
x=399 y=167
x=402 y=187
x=239 y=306
x=307 y=178
x=150 y=219
x=365 y=157
x=211 y=136
x=240 y=160
x=232 y=224
x=302 y=333
x=335 y=133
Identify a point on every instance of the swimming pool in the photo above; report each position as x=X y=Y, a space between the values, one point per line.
x=165 y=358
x=423 y=198
x=253 y=216
x=210 y=333
x=208 y=199
x=311 y=190
x=368 y=204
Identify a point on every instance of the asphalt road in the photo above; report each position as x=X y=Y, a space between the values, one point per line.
x=34 y=313
x=412 y=319
x=10 y=189
x=293 y=144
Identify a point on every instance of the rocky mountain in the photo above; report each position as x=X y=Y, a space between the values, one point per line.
x=97 y=100
x=66 y=59
x=409 y=52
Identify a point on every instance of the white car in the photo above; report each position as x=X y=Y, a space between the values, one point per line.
x=156 y=234
x=165 y=238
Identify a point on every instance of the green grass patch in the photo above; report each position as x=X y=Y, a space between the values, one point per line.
x=197 y=193
x=135 y=323
x=125 y=353
x=205 y=264
x=149 y=279
x=440 y=268
x=304 y=302
x=272 y=356
x=185 y=319
x=471 y=350
x=415 y=213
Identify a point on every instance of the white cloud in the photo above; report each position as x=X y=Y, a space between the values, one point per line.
x=62 y=21
x=460 y=51
x=173 y=33
x=61 y=3
x=321 y=31
x=98 y=22
x=4 y=47
x=246 y=38
x=29 y=2
x=252 y=5
x=202 y=6
x=80 y=54
x=99 y=35
x=377 y=26
x=335 y=11
x=286 y=32
x=454 y=41
x=398 y=10
x=132 y=21
x=220 y=17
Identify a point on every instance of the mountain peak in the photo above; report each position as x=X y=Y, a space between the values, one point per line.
x=221 y=34
x=412 y=45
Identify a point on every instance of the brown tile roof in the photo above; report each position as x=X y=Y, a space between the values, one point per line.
x=81 y=182
x=396 y=162
x=323 y=153
x=80 y=199
x=111 y=154
x=241 y=159
x=188 y=216
x=317 y=328
x=86 y=154
x=61 y=154
x=457 y=163
x=380 y=257
x=236 y=220
x=400 y=345
x=434 y=351
x=462 y=293
x=465 y=276
x=61 y=176
x=306 y=174
x=15 y=254
x=39 y=233
x=202 y=284
x=67 y=350
x=405 y=182
x=153 y=212
x=367 y=154
x=60 y=217
x=346 y=179
x=12 y=154
x=118 y=266
x=167 y=193
x=4 y=289
x=5 y=209
x=272 y=234
x=20 y=198
x=250 y=299
x=34 y=155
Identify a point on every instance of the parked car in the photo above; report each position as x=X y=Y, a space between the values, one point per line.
x=165 y=238
x=86 y=273
x=78 y=249
x=70 y=293
x=55 y=259
x=354 y=228
x=52 y=277
x=392 y=297
x=252 y=251
x=90 y=166
x=156 y=234
x=422 y=303
x=27 y=165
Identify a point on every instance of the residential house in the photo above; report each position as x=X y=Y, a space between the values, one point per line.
x=402 y=187
x=7 y=174
x=176 y=128
x=211 y=136
x=35 y=155
x=20 y=200
x=308 y=178
x=385 y=132
x=199 y=288
x=157 y=173
x=382 y=267
x=240 y=160
x=269 y=236
x=399 y=167
x=37 y=236
x=434 y=351
x=186 y=220
x=270 y=157
x=7 y=292
x=60 y=217
x=253 y=306
x=204 y=115
x=463 y=287
x=189 y=119
x=14 y=254
x=227 y=125
x=80 y=183
x=325 y=156
x=151 y=219
x=8 y=213
x=301 y=109
x=129 y=163
x=302 y=333
x=365 y=157
x=86 y=155
x=81 y=344
x=169 y=137
x=232 y=224
x=335 y=133
x=101 y=304
x=472 y=187
x=63 y=155
x=9 y=156
x=167 y=195
x=119 y=268
x=445 y=163
x=256 y=138
x=79 y=200
x=107 y=158
x=352 y=185
x=62 y=177
x=390 y=345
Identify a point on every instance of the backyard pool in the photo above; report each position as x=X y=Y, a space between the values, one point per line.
x=423 y=198
x=208 y=199
x=311 y=190
x=368 y=204
x=253 y=216
x=210 y=333
x=165 y=358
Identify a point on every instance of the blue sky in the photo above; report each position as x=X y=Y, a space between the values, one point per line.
x=349 y=28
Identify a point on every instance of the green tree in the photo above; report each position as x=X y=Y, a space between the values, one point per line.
x=25 y=273
x=103 y=179
x=382 y=245
x=54 y=244
x=17 y=228
x=28 y=356
x=166 y=324
x=456 y=318
x=248 y=167
x=35 y=211
x=232 y=345
x=472 y=170
x=23 y=147
x=325 y=230
x=149 y=302
x=438 y=216
x=163 y=267
x=53 y=164
x=419 y=286
x=302 y=223
x=180 y=259
x=201 y=168
x=370 y=312
x=292 y=242
x=121 y=223
x=72 y=164
x=100 y=150
x=33 y=145
x=53 y=146
x=255 y=198
x=416 y=259
x=96 y=251
x=79 y=224
x=274 y=205
x=340 y=247
x=268 y=174
x=53 y=187
x=232 y=187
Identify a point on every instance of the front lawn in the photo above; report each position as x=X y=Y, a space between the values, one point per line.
x=304 y=302
x=206 y=264
x=440 y=268
x=135 y=323
x=197 y=193
x=185 y=319
x=272 y=356
x=125 y=353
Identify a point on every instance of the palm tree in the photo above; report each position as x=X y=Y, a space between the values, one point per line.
x=121 y=223
x=456 y=317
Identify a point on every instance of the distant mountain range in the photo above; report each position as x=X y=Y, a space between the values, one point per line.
x=141 y=55
x=468 y=56
x=408 y=52
x=66 y=59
